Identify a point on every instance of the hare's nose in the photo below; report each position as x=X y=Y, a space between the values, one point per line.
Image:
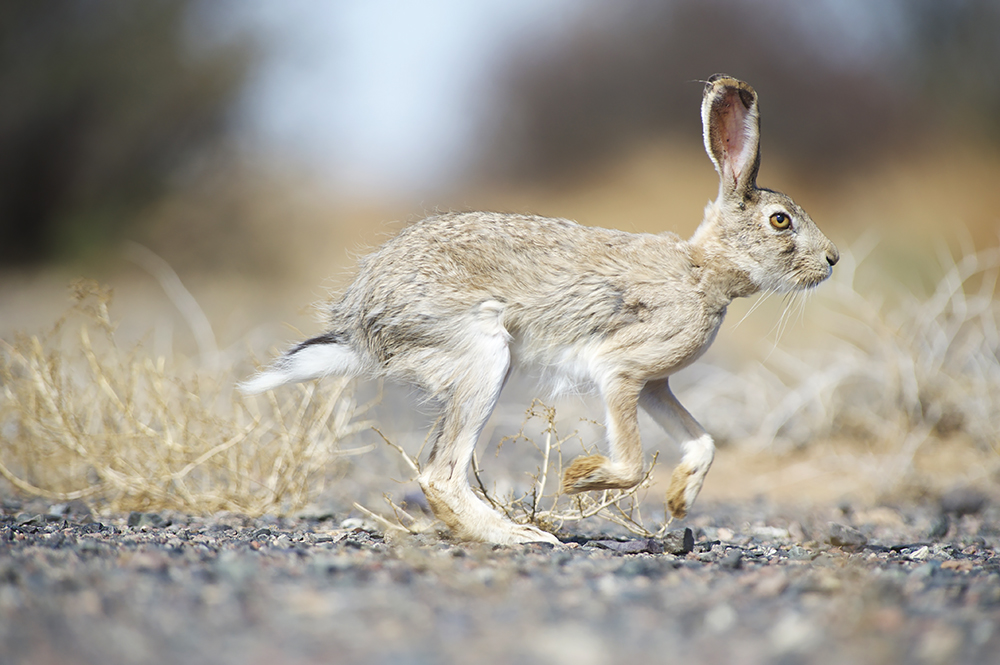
x=832 y=255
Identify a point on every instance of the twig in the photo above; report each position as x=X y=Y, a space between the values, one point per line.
x=414 y=466
x=386 y=524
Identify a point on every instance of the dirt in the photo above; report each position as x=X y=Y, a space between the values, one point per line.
x=747 y=583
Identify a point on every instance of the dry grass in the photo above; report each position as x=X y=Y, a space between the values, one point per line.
x=82 y=418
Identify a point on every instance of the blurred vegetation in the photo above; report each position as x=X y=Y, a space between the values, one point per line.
x=86 y=417
x=102 y=103
x=831 y=98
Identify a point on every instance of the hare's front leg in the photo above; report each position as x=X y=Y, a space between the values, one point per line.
x=698 y=448
x=624 y=469
x=480 y=364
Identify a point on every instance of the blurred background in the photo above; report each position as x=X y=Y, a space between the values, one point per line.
x=259 y=147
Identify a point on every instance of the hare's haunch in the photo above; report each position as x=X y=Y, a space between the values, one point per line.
x=453 y=301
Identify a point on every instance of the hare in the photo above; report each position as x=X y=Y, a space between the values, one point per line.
x=453 y=302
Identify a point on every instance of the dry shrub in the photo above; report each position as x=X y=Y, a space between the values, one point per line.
x=83 y=418
x=543 y=505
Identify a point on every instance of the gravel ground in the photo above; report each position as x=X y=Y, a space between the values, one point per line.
x=734 y=584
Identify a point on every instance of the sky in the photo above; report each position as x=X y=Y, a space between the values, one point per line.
x=383 y=93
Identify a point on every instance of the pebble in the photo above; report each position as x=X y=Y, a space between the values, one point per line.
x=678 y=542
x=939 y=527
x=638 y=546
x=797 y=553
x=963 y=501
x=733 y=560
x=233 y=589
x=926 y=570
x=847 y=537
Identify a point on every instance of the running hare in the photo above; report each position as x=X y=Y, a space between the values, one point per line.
x=454 y=301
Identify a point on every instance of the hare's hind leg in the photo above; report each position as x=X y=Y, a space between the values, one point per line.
x=480 y=365
x=698 y=448
x=624 y=469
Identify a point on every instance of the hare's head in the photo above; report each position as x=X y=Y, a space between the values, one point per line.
x=761 y=238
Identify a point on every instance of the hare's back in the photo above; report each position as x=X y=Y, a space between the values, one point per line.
x=468 y=256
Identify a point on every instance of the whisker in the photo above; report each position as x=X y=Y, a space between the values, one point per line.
x=782 y=324
x=803 y=301
x=757 y=303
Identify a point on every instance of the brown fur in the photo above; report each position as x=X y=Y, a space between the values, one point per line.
x=585 y=473
x=675 y=491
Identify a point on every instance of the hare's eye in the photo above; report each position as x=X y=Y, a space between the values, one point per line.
x=781 y=221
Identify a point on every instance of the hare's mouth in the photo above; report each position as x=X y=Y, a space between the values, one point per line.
x=808 y=279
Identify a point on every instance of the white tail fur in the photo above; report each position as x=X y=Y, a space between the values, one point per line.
x=305 y=362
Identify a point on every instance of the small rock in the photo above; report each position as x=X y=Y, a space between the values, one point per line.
x=639 y=546
x=678 y=542
x=848 y=537
x=796 y=532
x=939 y=527
x=920 y=554
x=75 y=507
x=733 y=560
x=314 y=513
x=926 y=570
x=358 y=524
x=137 y=519
x=826 y=560
x=797 y=553
x=963 y=501
x=30 y=520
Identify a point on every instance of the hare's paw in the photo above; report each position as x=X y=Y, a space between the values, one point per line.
x=582 y=473
x=685 y=484
x=597 y=472
x=525 y=533
x=471 y=519
x=490 y=527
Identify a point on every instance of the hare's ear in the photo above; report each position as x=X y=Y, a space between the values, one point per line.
x=731 y=125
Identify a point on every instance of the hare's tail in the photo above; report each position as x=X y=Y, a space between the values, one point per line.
x=328 y=354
